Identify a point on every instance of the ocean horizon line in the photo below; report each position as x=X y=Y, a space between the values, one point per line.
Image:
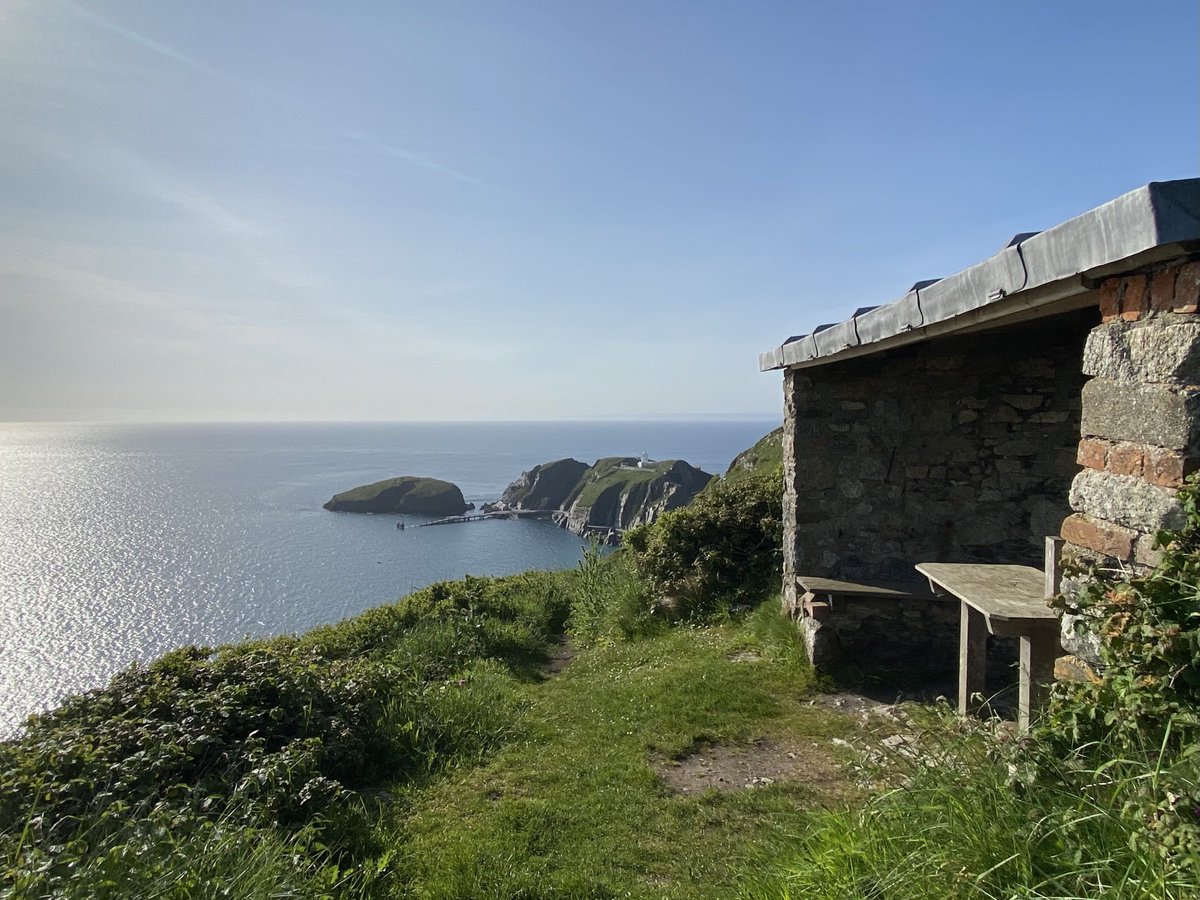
x=638 y=417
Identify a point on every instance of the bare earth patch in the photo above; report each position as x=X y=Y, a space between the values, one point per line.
x=560 y=655
x=736 y=767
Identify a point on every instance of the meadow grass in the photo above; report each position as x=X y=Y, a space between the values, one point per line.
x=976 y=814
x=575 y=808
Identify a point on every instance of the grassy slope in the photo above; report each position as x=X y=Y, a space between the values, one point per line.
x=575 y=810
x=766 y=454
x=422 y=488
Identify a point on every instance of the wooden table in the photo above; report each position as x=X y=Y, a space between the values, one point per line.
x=1010 y=601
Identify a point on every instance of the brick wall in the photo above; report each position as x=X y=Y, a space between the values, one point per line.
x=958 y=449
x=1140 y=422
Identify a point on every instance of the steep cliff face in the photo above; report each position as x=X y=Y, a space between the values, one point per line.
x=614 y=494
x=548 y=486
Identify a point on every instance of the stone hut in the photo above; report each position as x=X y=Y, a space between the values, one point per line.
x=1050 y=390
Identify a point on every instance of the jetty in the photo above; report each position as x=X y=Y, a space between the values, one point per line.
x=603 y=530
x=499 y=514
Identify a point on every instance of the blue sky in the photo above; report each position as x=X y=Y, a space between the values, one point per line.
x=519 y=210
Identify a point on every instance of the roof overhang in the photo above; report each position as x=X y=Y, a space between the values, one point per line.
x=1034 y=275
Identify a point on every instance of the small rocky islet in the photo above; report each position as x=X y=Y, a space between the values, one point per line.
x=407 y=494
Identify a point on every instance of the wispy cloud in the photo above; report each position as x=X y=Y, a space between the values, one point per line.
x=359 y=138
x=136 y=37
x=415 y=159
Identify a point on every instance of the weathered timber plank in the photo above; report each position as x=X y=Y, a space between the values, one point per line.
x=914 y=590
x=972 y=659
x=1002 y=593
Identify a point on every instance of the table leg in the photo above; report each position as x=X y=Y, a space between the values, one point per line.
x=972 y=657
x=1038 y=652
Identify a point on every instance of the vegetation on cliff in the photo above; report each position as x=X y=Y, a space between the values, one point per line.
x=724 y=549
x=165 y=778
x=765 y=457
x=418 y=750
x=406 y=494
x=546 y=486
x=614 y=493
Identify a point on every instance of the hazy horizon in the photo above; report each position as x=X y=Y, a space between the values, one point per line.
x=766 y=416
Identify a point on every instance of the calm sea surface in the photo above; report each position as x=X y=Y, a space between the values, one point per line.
x=118 y=543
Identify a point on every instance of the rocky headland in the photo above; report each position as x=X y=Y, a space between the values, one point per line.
x=406 y=494
x=765 y=455
x=614 y=494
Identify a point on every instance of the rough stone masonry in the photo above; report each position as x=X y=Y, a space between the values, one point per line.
x=1140 y=422
x=958 y=449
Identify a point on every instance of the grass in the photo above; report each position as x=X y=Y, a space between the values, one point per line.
x=765 y=455
x=574 y=809
x=420 y=751
x=972 y=817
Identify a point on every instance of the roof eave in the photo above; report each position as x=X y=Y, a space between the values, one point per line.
x=1154 y=222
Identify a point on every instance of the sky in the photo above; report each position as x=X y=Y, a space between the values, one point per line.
x=529 y=209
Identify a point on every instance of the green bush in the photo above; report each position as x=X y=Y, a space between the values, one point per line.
x=721 y=550
x=608 y=600
x=278 y=743
x=1145 y=705
x=1148 y=693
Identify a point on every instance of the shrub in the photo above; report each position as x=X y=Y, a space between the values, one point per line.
x=1145 y=704
x=267 y=742
x=608 y=600
x=723 y=549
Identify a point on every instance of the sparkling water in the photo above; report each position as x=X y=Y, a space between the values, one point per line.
x=120 y=542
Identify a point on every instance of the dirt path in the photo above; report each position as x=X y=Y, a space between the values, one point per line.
x=819 y=764
x=560 y=655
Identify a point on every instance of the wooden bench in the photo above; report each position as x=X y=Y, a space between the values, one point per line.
x=822 y=598
x=1001 y=600
x=823 y=593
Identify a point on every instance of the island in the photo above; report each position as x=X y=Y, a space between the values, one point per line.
x=614 y=494
x=406 y=494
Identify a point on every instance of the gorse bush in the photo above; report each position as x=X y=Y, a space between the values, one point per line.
x=273 y=741
x=723 y=549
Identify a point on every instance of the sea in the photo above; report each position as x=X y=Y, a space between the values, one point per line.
x=121 y=542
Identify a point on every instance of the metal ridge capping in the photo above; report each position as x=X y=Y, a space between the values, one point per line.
x=1156 y=215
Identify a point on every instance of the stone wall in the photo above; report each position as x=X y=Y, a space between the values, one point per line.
x=959 y=449
x=860 y=634
x=1140 y=421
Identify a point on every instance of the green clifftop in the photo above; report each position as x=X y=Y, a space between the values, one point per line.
x=406 y=494
x=765 y=455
